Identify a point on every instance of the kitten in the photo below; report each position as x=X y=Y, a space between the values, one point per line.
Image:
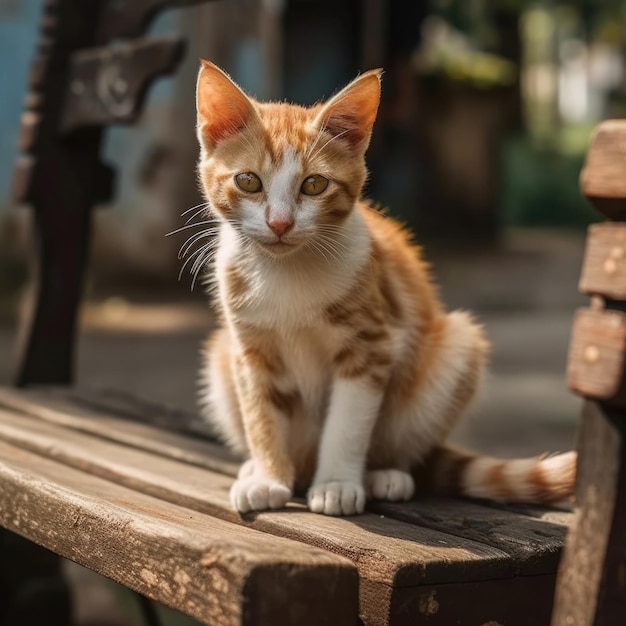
x=335 y=368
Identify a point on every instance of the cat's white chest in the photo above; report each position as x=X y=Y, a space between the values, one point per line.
x=280 y=298
x=306 y=354
x=290 y=292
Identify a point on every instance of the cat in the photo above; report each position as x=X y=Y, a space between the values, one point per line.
x=336 y=368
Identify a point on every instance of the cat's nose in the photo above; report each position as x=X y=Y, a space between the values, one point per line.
x=280 y=226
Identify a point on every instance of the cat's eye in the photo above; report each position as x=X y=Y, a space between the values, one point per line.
x=249 y=181
x=314 y=185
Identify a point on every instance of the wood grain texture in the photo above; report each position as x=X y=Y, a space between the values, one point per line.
x=524 y=601
x=57 y=406
x=217 y=572
x=432 y=542
x=603 y=179
x=384 y=549
x=595 y=364
x=591 y=584
x=533 y=544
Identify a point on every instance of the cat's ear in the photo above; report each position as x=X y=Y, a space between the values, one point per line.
x=351 y=113
x=223 y=108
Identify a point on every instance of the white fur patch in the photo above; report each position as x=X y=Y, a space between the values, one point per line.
x=284 y=187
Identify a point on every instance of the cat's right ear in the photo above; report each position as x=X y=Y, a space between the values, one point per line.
x=223 y=108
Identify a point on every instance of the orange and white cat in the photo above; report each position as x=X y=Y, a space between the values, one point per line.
x=336 y=368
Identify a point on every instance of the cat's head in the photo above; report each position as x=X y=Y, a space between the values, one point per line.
x=281 y=174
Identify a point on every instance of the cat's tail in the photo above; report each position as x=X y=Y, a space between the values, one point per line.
x=540 y=480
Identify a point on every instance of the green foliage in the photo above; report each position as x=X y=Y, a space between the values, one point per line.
x=541 y=187
x=604 y=19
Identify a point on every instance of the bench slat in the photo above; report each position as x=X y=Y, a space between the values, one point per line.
x=595 y=363
x=604 y=265
x=385 y=550
x=217 y=572
x=602 y=179
x=533 y=544
x=55 y=405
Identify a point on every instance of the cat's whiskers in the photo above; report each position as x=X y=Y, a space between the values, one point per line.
x=328 y=245
x=333 y=138
x=196 y=214
x=333 y=251
x=190 y=241
x=207 y=247
x=242 y=136
x=190 y=209
x=320 y=134
x=312 y=243
x=200 y=263
x=188 y=226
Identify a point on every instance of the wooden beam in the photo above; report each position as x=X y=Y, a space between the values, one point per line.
x=591 y=587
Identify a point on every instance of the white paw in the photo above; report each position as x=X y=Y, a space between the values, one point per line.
x=390 y=484
x=256 y=493
x=337 y=498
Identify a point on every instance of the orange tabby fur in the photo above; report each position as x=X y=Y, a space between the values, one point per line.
x=335 y=368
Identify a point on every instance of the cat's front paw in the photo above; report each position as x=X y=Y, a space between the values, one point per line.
x=256 y=493
x=392 y=485
x=337 y=498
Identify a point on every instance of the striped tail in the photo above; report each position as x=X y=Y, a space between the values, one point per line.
x=539 y=480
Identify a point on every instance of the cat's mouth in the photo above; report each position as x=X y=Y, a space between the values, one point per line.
x=279 y=247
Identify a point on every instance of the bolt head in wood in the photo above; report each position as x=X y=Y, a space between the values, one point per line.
x=591 y=354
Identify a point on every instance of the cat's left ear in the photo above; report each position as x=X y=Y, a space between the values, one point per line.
x=351 y=113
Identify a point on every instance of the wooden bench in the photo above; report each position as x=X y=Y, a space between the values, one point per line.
x=132 y=491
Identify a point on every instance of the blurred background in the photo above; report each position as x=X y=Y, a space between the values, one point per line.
x=486 y=114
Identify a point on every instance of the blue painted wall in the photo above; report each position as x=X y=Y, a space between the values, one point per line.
x=18 y=30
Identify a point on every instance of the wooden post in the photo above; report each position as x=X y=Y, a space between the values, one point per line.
x=75 y=91
x=591 y=586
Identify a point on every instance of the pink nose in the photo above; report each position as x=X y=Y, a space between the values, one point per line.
x=280 y=227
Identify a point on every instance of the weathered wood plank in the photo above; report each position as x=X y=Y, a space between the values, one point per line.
x=53 y=406
x=546 y=539
x=591 y=587
x=387 y=553
x=595 y=363
x=523 y=601
x=217 y=572
x=604 y=265
x=534 y=545
x=387 y=550
x=602 y=179
x=390 y=555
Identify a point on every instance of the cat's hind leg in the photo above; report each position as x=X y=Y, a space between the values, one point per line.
x=217 y=394
x=411 y=426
